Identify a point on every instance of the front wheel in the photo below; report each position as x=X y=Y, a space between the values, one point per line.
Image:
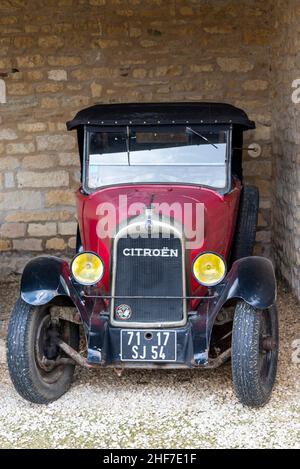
x=39 y=370
x=254 y=353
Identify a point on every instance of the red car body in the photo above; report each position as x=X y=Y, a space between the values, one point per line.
x=164 y=274
x=220 y=214
x=251 y=279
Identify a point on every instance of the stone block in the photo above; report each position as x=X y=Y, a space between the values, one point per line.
x=45 y=179
x=55 y=142
x=57 y=75
x=59 y=197
x=20 y=200
x=56 y=244
x=20 y=148
x=12 y=230
x=67 y=228
x=28 y=244
x=42 y=229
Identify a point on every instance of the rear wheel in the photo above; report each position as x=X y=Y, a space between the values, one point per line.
x=254 y=353
x=39 y=370
x=245 y=231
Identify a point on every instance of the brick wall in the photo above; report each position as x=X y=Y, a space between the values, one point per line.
x=71 y=54
x=286 y=136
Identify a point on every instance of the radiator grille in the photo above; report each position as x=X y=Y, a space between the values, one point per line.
x=150 y=275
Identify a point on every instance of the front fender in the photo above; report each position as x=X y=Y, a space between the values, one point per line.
x=43 y=279
x=46 y=277
x=251 y=279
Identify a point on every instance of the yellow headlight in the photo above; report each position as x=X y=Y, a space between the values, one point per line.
x=87 y=268
x=209 y=269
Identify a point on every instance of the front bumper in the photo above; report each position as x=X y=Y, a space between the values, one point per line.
x=104 y=346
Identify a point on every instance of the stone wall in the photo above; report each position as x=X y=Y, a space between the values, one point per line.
x=73 y=53
x=286 y=137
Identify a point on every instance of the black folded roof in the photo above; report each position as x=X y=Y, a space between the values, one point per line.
x=161 y=113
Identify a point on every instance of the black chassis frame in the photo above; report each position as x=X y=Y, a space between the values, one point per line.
x=49 y=280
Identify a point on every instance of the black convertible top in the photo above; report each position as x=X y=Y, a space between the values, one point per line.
x=161 y=113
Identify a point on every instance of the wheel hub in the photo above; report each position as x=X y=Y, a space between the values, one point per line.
x=269 y=344
x=47 y=349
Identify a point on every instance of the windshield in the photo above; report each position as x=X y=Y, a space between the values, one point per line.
x=192 y=154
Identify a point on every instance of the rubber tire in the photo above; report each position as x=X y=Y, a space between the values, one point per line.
x=24 y=373
x=245 y=232
x=248 y=384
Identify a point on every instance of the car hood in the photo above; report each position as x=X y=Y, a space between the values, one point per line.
x=204 y=210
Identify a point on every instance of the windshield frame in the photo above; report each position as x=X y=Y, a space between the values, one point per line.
x=102 y=128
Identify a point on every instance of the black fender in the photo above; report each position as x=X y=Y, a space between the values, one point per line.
x=253 y=280
x=47 y=277
x=43 y=279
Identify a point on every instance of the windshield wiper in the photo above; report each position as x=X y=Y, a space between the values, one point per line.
x=189 y=129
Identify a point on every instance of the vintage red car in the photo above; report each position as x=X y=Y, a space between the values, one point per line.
x=163 y=275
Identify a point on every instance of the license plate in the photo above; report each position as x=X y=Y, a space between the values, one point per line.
x=148 y=346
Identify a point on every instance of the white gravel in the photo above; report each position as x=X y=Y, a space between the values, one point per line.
x=156 y=409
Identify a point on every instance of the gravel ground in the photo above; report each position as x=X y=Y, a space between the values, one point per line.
x=155 y=409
